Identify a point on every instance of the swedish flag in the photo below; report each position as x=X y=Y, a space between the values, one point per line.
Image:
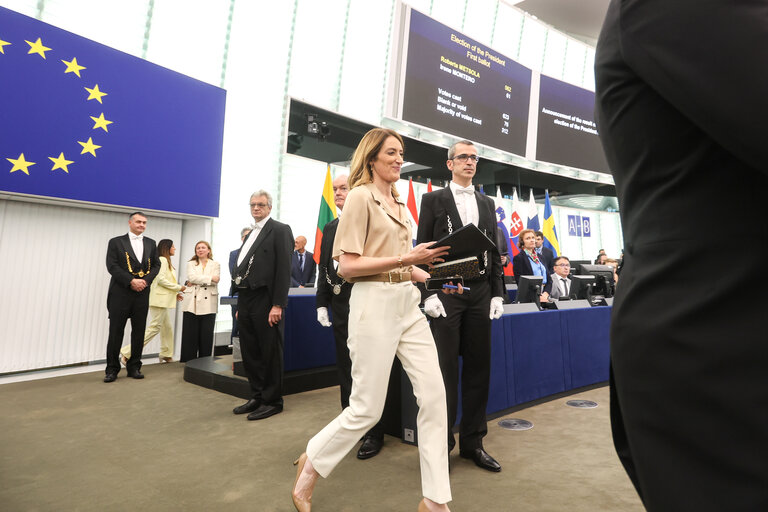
x=550 y=233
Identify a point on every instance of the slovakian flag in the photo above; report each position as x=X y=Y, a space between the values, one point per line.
x=501 y=225
x=326 y=214
x=412 y=211
x=533 y=214
x=550 y=233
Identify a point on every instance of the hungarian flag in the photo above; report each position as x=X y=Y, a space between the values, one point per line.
x=326 y=214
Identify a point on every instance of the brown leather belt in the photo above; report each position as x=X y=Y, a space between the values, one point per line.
x=386 y=277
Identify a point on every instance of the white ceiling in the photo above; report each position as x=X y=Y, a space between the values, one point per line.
x=581 y=19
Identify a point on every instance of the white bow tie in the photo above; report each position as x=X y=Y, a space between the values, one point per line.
x=465 y=190
x=136 y=237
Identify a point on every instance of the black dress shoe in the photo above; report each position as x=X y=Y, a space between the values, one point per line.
x=482 y=459
x=249 y=406
x=265 y=411
x=136 y=374
x=110 y=377
x=370 y=448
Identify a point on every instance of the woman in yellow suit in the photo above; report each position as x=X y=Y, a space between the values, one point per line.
x=163 y=295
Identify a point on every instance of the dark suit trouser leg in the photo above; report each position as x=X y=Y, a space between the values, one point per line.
x=118 y=316
x=190 y=337
x=205 y=325
x=340 y=312
x=475 y=350
x=261 y=346
x=465 y=331
x=139 y=310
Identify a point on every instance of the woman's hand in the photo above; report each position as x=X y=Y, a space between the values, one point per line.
x=215 y=279
x=182 y=288
x=423 y=255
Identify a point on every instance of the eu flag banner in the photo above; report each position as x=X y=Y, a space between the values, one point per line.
x=84 y=122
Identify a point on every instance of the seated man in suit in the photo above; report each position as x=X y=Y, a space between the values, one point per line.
x=303 y=267
x=559 y=284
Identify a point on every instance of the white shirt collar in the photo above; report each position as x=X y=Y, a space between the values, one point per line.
x=261 y=223
x=456 y=187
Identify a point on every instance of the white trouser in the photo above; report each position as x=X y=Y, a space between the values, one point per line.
x=161 y=322
x=384 y=321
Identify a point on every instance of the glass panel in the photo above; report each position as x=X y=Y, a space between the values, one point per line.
x=479 y=20
x=365 y=70
x=26 y=7
x=188 y=36
x=449 y=12
x=115 y=23
x=317 y=45
x=506 y=36
x=554 y=54
x=574 y=62
x=589 y=69
x=532 y=44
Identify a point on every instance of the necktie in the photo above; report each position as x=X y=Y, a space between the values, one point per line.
x=565 y=285
x=301 y=261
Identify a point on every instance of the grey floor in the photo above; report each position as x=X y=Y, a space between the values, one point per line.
x=73 y=443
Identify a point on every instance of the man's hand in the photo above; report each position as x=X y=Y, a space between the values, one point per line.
x=275 y=314
x=138 y=285
x=322 y=317
x=433 y=307
x=497 y=308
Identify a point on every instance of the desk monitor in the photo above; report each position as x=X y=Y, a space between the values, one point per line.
x=604 y=284
x=529 y=289
x=581 y=287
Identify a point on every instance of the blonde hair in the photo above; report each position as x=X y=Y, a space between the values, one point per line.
x=210 y=252
x=360 y=172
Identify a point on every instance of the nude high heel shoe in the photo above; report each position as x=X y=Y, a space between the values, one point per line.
x=301 y=505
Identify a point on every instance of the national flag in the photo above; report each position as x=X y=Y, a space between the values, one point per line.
x=501 y=225
x=550 y=233
x=326 y=214
x=482 y=191
x=87 y=123
x=515 y=225
x=533 y=214
x=429 y=185
x=413 y=212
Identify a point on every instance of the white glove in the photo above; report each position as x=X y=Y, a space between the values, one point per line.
x=497 y=307
x=322 y=317
x=433 y=307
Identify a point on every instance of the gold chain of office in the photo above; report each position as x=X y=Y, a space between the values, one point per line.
x=140 y=273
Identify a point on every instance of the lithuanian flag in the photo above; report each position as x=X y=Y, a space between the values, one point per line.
x=326 y=214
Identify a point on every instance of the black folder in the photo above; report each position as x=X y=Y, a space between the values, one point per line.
x=465 y=242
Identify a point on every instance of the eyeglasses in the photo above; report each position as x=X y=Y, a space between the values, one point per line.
x=464 y=157
x=260 y=205
x=563 y=265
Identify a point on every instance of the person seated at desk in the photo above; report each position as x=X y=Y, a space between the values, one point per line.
x=527 y=261
x=303 y=266
x=614 y=264
x=559 y=284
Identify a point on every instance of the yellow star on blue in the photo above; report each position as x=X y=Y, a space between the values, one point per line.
x=100 y=122
x=3 y=43
x=37 y=47
x=89 y=147
x=20 y=164
x=73 y=67
x=95 y=93
x=60 y=162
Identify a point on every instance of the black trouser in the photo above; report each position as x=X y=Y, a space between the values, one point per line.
x=466 y=332
x=122 y=306
x=340 y=319
x=196 y=335
x=261 y=345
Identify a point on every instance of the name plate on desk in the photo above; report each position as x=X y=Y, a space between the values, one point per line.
x=514 y=309
x=301 y=291
x=609 y=301
x=572 y=304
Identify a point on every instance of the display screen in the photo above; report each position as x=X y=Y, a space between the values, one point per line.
x=458 y=86
x=567 y=133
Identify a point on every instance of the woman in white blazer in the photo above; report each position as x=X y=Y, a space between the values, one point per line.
x=201 y=301
x=163 y=295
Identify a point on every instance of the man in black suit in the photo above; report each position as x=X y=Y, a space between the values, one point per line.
x=303 y=266
x=232 y=288
x=262 y=277
x=680 y=104
x=333 y=291
x=461 y=324
x=132 y=262
x=545 y=253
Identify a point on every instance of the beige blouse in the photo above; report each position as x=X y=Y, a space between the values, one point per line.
x=369 y=228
